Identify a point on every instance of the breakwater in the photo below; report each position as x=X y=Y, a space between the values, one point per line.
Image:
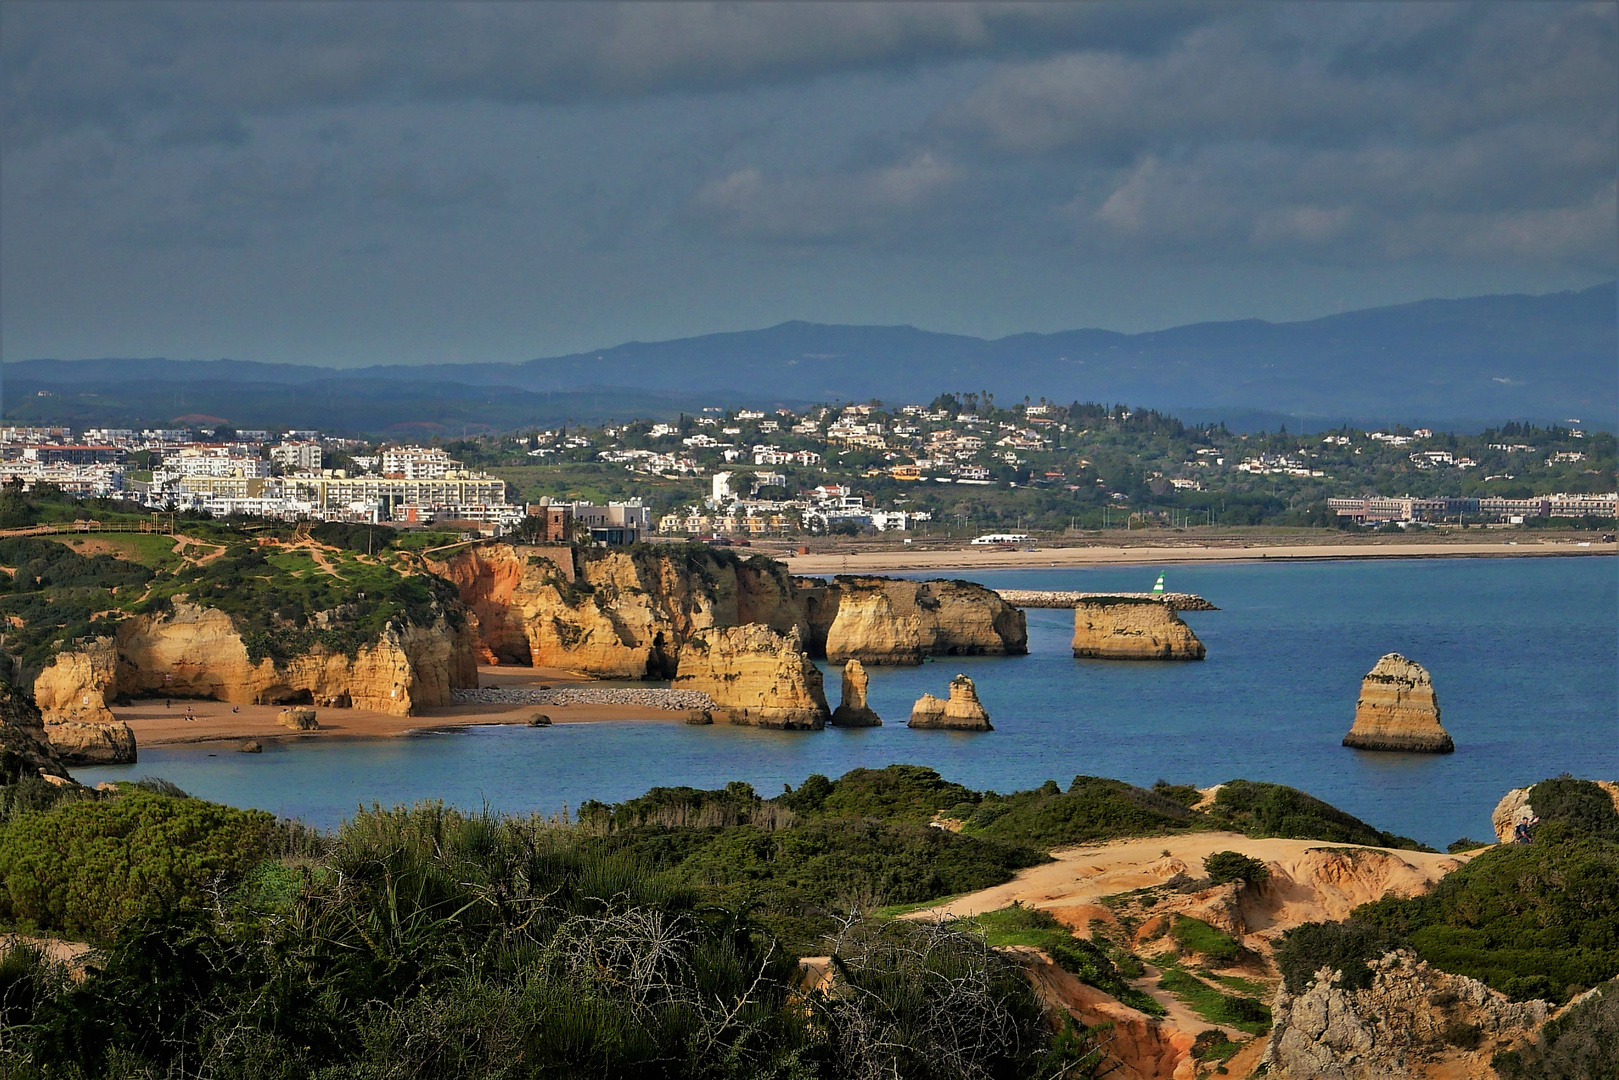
x=648 y=698
x=1042 y=598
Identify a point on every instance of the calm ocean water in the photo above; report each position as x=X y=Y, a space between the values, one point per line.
x=1524 y=654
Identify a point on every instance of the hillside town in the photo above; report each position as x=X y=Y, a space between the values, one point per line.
x=960 y=462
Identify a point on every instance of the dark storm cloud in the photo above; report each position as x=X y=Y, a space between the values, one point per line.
x=68 y=65
x=529 y=178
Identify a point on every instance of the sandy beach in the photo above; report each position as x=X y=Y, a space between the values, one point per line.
x=157 y=724
x=989 y=558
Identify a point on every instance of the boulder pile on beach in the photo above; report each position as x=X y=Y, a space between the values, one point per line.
x=651 y=697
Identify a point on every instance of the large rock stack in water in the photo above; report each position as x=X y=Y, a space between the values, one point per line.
x=755 y=675
x=963 y=712
x=854 y=712
x=1132 y=629
x=1397 y=710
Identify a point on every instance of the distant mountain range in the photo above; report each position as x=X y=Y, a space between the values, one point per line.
x=1444 y=362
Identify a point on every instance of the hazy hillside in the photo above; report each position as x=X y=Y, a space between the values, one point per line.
x=1484 y=358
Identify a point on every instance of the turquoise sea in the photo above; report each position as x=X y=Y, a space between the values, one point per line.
x=1524 y=655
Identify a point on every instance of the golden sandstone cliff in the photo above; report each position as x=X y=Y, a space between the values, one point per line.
x=192 y=651
x=1132 y=629
x=612 y=613
x=627 y=612
x=755 y=676
x=894 y=621
x=1397 y=710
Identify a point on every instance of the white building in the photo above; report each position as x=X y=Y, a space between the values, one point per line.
x=418 y=463
x=297 y=455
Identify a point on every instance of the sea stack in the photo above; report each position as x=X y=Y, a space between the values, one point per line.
x=1397 y=710
x=1132 y=628
x=854 y=712
x=963 y=712
x=756 y=677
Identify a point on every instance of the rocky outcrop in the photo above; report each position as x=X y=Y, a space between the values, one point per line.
x=1413 y=1020
x=298 y=718
x=193 y=651
x=1397 y=710
x=1123 y=628
x=893 y=621
x=76 y=686
x=24 y=748
x=853 y=710
x=1513 y=808
x=962 y=712
x=613 y=612
x=755 y=676
x=77 y=743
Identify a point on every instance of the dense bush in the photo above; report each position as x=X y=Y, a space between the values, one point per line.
x=1582 y=1044
x=1224 y=866
x=1261 y=810
x=1211 y=1003
x=426 y=943
x=1344 y=947
x=897 y=793
x=57 y=595
x=86 y=866
x=1093 y=808
x=371 y=539
x=1579 y=804
x=1531 y=920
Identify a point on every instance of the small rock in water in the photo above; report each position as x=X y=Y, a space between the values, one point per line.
x=251 y=746
x=701 y=717
x=539 y=719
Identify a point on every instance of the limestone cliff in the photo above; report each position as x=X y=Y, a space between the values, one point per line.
x=614 y=612
x=893 y=621
x=1514 y=807
x=1405 y=1024
x=192 y=651
x=1132 y=629
x=962 y=712
x=1397 y=710
x=755 y=675
x=853 y=710
x=24 y=749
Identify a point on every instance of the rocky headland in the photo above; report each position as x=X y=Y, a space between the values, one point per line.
x=622 y=613
x=190 y=651
x=853 y=711
x=1132 y=628
x=25 y=750
x=961 y=712
x=1397 y=710
x=893 y=621
x=755 y=677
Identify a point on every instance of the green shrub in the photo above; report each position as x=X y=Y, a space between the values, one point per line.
x=1195 y=935
x=896 y=793
x=1344 y=947
x=1582 y=1044
x=1263 y=810
x=1224 y=866
x=1465 y=844
x=1530 y=920
x=1579 y=804
x=1185 y=794
x=85 y=867
x=1093 y=808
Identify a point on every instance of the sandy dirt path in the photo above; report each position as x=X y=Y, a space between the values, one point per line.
x=156 y=724
x=968 y=558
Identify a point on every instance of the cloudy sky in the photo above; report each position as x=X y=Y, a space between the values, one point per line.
x=350 y=184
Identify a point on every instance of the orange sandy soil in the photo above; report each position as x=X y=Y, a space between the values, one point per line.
x=1191 y=551
x=157 y=725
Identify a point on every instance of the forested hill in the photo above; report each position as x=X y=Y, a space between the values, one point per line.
x=1489 y=357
